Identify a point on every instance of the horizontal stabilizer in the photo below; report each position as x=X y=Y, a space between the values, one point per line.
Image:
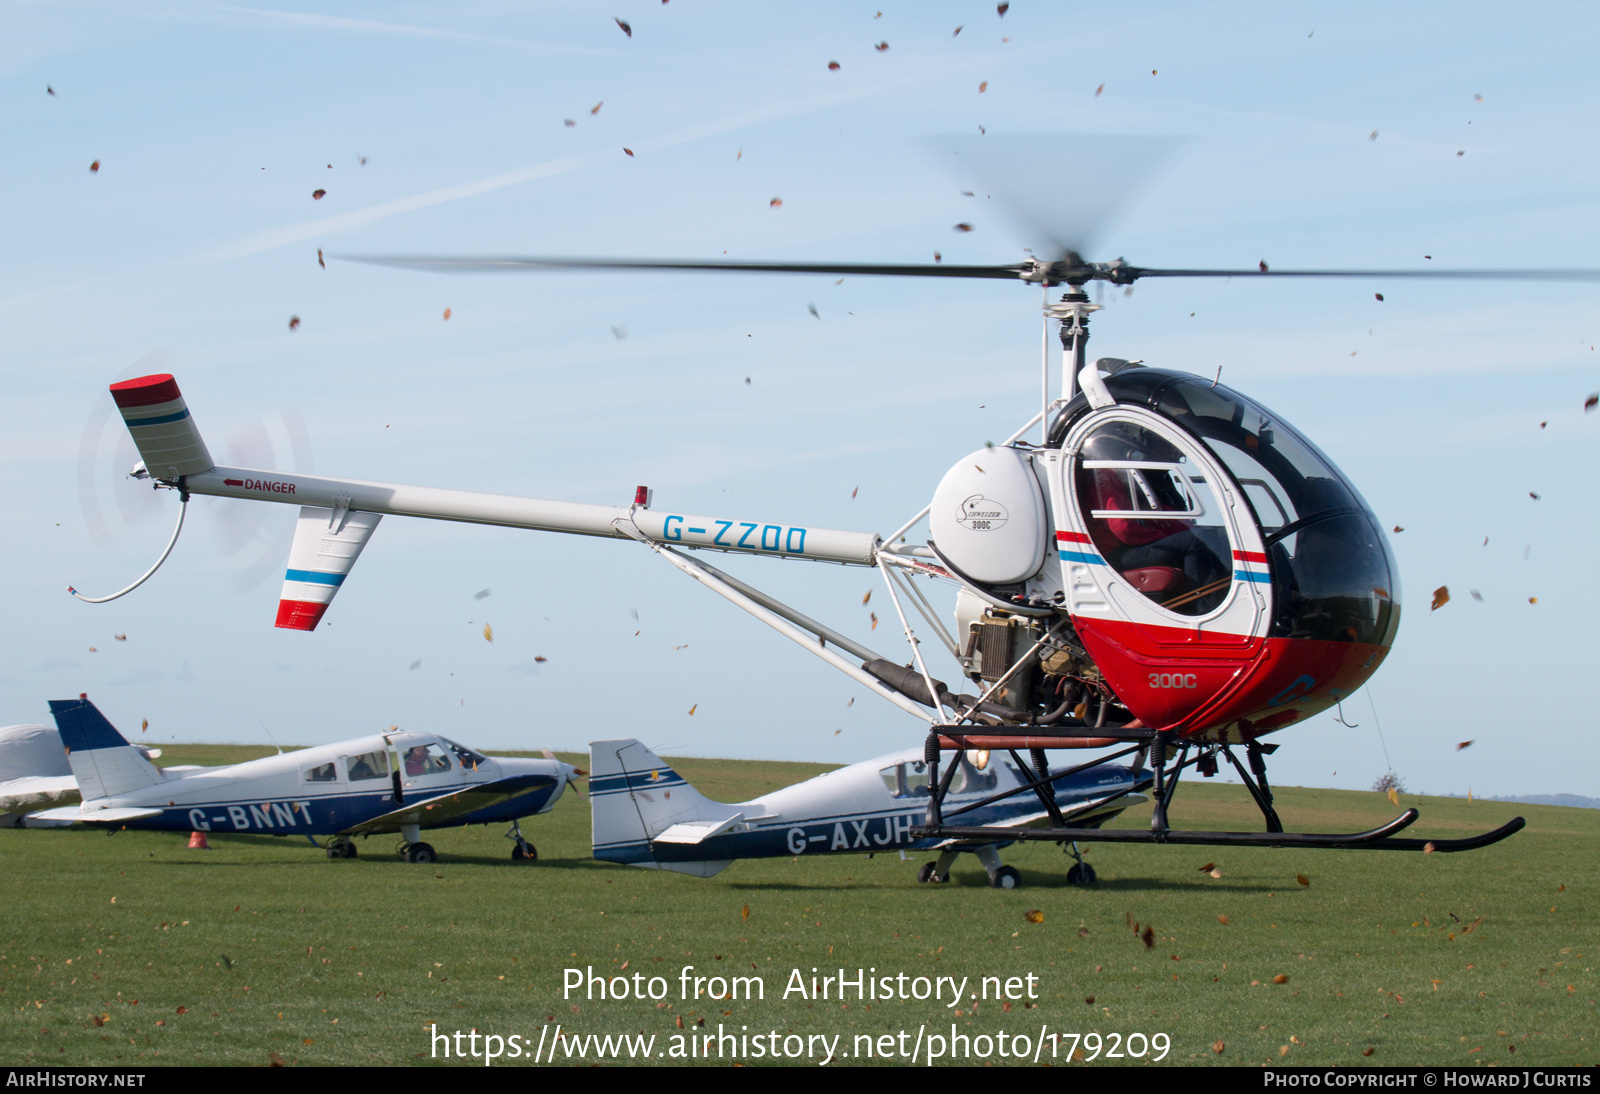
x=447 y=808
x=697 y=831
x=95 y=816
x=327 y=543
x=103 y=762
x=156 y=416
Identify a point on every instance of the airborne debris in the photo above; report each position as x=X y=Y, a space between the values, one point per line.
x=626 y=29
x=881 y=47
x=833 y=66
x=294 y=322
x=1441 y=597
x=316 y=195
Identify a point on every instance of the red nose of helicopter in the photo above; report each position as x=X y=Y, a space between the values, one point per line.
x=1226 y=579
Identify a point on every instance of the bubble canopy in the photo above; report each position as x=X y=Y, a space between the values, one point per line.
x=1333 y=576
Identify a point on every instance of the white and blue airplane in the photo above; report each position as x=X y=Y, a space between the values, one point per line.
x=390 y=782
x=646 y=814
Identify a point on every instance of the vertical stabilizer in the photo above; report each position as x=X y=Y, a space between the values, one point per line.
x=635 y=797
x=158 y=419
x=103 y=762
x=327 y=543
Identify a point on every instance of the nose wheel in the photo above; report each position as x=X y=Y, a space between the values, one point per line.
x=521 y=849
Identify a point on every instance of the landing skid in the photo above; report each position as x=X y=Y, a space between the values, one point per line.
x=1159 y=749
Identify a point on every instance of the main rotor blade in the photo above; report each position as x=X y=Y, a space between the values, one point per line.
x=1133 y=273
x=524 y=264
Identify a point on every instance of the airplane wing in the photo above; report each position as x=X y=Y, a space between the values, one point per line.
x=432 y=812
x=31 y=792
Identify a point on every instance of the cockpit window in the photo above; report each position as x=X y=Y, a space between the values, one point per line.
x=425 y=760
x=1332 y=574
x=469 y=759
x=1154 y=518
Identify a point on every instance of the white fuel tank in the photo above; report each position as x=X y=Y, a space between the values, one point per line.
x=988 y=517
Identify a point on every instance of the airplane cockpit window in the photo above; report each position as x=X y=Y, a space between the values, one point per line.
x=368 y=765
x=421 y=760
x=1332 y=575
x=910 y=780
x=1154 y=518
x=322 y=773
x=469 y=759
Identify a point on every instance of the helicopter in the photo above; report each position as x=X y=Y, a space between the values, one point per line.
x=1167 y=569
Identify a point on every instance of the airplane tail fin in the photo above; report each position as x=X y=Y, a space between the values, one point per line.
x=646 y=814
x=103 y=762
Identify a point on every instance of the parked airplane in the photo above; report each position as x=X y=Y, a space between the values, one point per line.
x=33 y=773
x=645 y=814
x=389 y=782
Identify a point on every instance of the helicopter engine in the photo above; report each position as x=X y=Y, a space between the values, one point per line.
x=1214 y=574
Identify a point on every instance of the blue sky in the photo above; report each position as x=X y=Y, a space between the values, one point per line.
x=195 y=242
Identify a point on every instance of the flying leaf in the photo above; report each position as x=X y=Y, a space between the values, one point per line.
x=854 y=492
x=1033 y=915
x=1367 y=1052
x=1428 y=848
x=1398 y=529
x=937 y=257
x=693 y=709
x=1003 y=8
x=318 y=195
x=1217 y=875
x=867 y=597
x=1281 y=978
x=955 y=33
x=1148 y=938
x=1372 y=137
x=775 y=203
x=294 y=322
x=1222 y=919
x=1302 y=879
x=812 y=308
x=1591 y=402
x=1441 y=597
x=1533 y=600
x=447 y=315
x=680 y=1021
x=488 y=633
x=962 y=227
x=881 y=47
x=744 y=913
x=94 y=168
x=595 y=109
x=1465 y=744
x=626 y=29
x=48 y=90
x=480 y=594
x=1263 y=265
x=540 y=658
x=144 y=726
x=833 y=66
x=1208 y=867
x=1533 y=495
x=1098 y=90
x=1379 y=295
x=1476 y=595
x=1394 y=798
x=1218 y=1045
x=984 y=86
x=417 y=664
x=321 y=263
x=629 y=151
x=874 y=620
x=120 y=637
x=569 y=123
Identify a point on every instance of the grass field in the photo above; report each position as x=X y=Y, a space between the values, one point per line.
x=132 y=949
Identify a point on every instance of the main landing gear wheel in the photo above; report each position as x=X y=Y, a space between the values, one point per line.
x=927 y=873
x=344 y=849
x=421 y=852
x=525 y=852
x=1081 y=874
x=1006 y=878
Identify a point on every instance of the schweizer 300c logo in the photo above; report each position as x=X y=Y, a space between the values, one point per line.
x=981 y=514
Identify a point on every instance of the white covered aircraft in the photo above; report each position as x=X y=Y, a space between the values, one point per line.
x=389 y=782
x=34 y=774
x=646 y=814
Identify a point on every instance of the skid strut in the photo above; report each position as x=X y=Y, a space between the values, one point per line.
x=1167 y=757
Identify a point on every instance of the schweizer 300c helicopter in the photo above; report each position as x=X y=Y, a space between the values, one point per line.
x=1168 y=570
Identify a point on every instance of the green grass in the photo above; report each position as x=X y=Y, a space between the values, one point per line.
x=272 y=949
